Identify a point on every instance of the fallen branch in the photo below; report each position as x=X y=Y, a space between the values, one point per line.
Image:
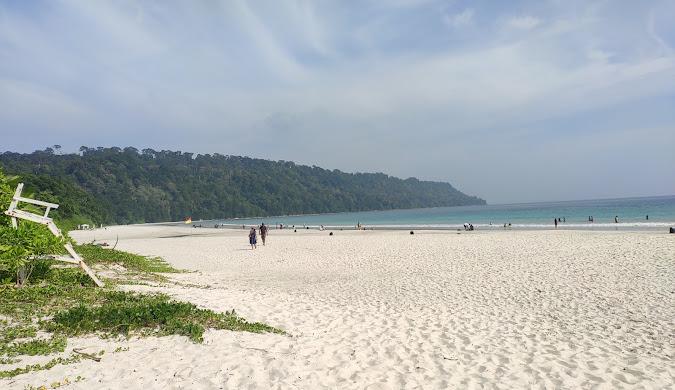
x=88 y=356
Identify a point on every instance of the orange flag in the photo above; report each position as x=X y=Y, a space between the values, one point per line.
x=189 y=220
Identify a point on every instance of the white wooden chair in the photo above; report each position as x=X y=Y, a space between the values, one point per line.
x=16 y=214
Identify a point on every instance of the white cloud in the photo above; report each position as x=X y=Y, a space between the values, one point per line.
x=651 y=30
x=280 y=60
x=460 y=20
x=20 y=101
x=598 y=55
x=316 y=82
x=523 y=22
x=124 y=33
x=311 y=27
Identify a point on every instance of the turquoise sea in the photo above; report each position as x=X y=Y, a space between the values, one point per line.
x=650 y=213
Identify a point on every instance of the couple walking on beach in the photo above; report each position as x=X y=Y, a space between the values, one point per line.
x=253 y=238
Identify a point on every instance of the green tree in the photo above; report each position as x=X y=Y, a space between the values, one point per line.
x=158 y=186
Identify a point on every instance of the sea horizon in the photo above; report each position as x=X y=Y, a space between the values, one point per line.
x=582 y=200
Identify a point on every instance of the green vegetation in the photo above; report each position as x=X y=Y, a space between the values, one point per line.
x=20 y=247
x=63 y=301
x=123 y=313
x=120 y=186
x=76 y=206
x=142 y=264
x=37 y=367
x=66 y=303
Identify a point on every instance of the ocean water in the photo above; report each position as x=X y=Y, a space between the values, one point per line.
x=650 y=213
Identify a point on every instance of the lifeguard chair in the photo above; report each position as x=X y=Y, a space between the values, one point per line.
x=15 y=213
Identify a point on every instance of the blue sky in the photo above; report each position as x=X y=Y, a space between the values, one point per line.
x=512 y=101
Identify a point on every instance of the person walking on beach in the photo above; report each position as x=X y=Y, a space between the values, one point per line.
x=616 y=219
x=252 y=238
x=263 y=232
x=555 y=220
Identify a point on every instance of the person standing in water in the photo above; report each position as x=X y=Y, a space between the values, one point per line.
x=252 y=237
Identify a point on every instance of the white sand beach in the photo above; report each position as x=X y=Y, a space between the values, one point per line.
x=390 y=310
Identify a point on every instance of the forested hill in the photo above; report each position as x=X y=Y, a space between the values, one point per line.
x=135 y=186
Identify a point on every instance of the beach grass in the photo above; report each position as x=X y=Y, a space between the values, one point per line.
x=95 y=254
x=63 y=302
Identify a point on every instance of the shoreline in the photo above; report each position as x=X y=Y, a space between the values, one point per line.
x=635 y=227
x=651 y=213
x=388 y=310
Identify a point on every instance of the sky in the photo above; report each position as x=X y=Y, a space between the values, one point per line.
x=511 y=101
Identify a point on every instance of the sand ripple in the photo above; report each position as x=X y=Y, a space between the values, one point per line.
x=387 y=310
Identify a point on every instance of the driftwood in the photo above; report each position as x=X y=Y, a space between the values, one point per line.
x=88 y=356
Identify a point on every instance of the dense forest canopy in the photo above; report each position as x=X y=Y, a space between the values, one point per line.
x=119 y=186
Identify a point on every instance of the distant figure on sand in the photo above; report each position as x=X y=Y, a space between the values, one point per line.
x=252 y=238
x=263 y=232
x=555 y=220
x=616 y=219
